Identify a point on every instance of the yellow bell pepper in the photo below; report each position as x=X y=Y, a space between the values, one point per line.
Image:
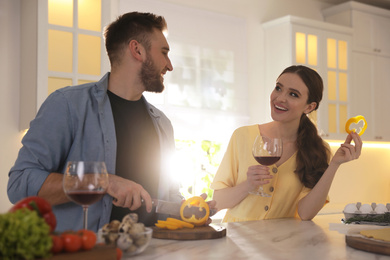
x=356 y=120
x=180 y=222
x=195 y=210
x=165 y=224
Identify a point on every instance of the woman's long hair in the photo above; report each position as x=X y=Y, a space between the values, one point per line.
x=312 y=155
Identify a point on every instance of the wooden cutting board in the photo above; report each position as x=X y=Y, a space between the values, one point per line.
x=196 y=233
x=369 y=245
x=100 y=251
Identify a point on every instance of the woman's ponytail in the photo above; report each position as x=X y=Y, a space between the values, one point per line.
x=313 y=155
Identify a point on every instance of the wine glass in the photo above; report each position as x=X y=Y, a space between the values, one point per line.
x=266 y=151
x=85 y=183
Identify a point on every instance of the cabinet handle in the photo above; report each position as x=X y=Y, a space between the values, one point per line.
x=378 y=137
x=324 y=135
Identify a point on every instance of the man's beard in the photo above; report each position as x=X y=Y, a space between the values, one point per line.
x=150 y=77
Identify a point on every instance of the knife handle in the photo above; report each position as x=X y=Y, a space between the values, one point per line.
x=212 y=211
x=153 y=202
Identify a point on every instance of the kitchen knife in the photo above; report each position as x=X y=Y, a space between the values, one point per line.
x=172 y=208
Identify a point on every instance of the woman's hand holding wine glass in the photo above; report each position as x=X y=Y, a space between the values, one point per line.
x=267 y=151
x=85 y=183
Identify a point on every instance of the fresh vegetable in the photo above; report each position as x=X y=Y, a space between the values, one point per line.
x=380 y=218
x=88 y=239
x=167 y=225
x=41 y=206
x=72 y=241
x=173 y=224
x=181 y=222
x=24 y=235
x=119 y=253
x=356 y=120
x=58 y=244
x=195 y=210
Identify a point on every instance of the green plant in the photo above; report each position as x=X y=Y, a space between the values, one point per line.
x=203 y=158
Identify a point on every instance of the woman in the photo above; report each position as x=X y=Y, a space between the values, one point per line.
x=300 y=181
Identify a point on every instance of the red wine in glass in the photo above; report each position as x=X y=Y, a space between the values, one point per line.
x=267 y=160
x=85 y=197
x=266 y=151
x=85 y=183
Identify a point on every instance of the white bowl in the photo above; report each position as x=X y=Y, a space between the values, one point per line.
x=130 y=244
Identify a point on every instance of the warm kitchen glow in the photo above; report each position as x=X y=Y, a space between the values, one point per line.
x=74 y=47
x=332 y=53
x=61 y=12
x=60 y=51
x=89 y=59
x=300 y=47
x=89 y=15
x=312 y=46
x=366 y=144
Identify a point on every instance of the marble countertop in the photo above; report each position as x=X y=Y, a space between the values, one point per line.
x=321 y=238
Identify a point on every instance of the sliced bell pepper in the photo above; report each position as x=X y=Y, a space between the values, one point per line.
x=41 y=206
x=356 y=120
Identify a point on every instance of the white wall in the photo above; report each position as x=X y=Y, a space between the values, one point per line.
x=253 y=11
x=9 y=92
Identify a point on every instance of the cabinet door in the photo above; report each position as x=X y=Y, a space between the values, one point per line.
x=371 y=33
x=335 y=107
x=362 y=98
x=381 y=89
x=306 y=43
x=363 y=32
x=328 y=53
x=62 y=41
x=371 y=93
x=382 y=35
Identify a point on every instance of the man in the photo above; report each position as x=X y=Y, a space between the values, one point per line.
x=108 y=121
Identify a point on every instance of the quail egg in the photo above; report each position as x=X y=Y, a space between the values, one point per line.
x=366 y=209
x=350 y=208
x=380 y=209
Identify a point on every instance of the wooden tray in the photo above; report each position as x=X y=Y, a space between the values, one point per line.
x=369 y=245
x=197 y=233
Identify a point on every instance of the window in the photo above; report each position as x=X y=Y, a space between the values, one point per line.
x=206 y=93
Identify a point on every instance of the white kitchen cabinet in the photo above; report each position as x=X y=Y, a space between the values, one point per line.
x=61 y=45
x=322 y=46
x=371 y=79
x=381 y=86
x=370 y=25
x=370 y=74
x=371 y=33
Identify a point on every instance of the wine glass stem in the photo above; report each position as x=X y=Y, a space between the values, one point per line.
x=85 y=218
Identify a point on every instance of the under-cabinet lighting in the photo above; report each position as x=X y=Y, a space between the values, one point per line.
x=366 y=144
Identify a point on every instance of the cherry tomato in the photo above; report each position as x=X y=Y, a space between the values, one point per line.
x=72 y=241
x=58 y=244
x=119 y=253
x=88 y=239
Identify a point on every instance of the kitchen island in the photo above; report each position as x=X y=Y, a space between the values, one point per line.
x=321 y=238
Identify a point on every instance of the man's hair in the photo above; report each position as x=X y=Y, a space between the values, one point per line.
x=131 y=26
